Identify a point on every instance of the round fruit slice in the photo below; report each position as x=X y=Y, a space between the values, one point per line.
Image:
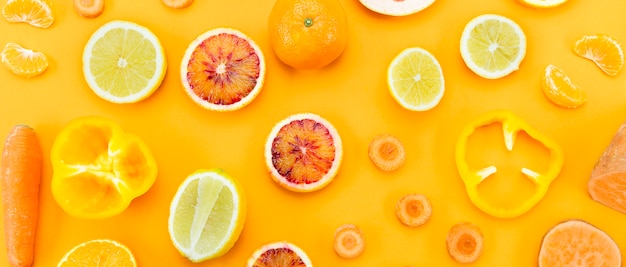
x=578 y=243
x=279 y=254
x=303 y=152
x=397 y=7
x=543 y=3
x=99 y=252
x=493 y=46
x=207 y=215
x=415 y=79
x=603 y=50
x=123 y=62
x=223 y=70
x=34 y=12
x=560 y=90
x=24 y=62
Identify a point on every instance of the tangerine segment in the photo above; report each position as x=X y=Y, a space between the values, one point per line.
x=34 y=12
x=303 y=152
x=603 y=50
x=386 y=152
x=223 y=69
x=98 y=168
x=413 y=210
x=560 y=90
x=465 y=242
x=99 y=252
x=349 y=242
x=279 y=254
x=22 y=61
x=578 y=243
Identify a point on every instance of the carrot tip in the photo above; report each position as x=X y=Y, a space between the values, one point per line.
x=349 y=241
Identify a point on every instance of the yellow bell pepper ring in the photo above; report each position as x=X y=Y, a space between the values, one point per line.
x=511 y=126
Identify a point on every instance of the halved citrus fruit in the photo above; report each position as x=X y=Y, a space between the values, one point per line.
x=22 y=61
x=543 y=3
x=99 y=252
x=123 y=62
x=560 y=90
x=578 y=243
x=603 y=50
x=279 y=254
x=493 y=46
x=397 y=7
x=34 y=12
x=223 y=70
x=207 y=215
x=98 y=168
x=303 y=152
x=415 y=79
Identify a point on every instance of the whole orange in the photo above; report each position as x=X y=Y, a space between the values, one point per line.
x=308 y=34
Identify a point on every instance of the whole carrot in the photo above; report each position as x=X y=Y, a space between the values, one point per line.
x=20 y=175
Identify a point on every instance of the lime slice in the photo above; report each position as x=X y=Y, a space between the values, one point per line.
x=207 y=215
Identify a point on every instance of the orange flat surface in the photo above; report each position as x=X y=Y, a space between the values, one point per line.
x=352 y=94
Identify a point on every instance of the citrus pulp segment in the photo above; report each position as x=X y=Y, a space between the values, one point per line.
x=493 y=46
x=415 y=79
x=99 y=252
x=98 y=168
x=22 y=61
x=397 y=7
x=223 y=70
x=279 y=254
x=123 y=62
x=207 y=215
x=37 y=13
x=303 y=152
x=603 y=50
x=560 y=90
x=543 y=3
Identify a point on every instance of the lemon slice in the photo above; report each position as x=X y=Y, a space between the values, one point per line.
x=123 y=62
x=207 y=215
x=543 y=3
x=22 y=61
x=493 y=46
x=415 y=79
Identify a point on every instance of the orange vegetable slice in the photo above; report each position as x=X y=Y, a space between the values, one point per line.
x=89 y=8
x=99 y=252
x=465 y=242
x=22 y=61
x=279 y=254
x=386 y=152
x=98 y=169
x=413 y=210
x=578 y=243
x=349 y=241
x=560 y=90
x=34 y=12
x=603 y=50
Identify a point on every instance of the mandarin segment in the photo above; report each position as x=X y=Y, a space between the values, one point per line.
x=603 y=50
x=22 y=61
x=37 y=13
x=397 y=7
x=542 y=3
x=560 y=90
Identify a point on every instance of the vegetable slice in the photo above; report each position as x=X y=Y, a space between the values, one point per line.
x=413 y=210
x=349 y=241
x=465 y=242
x=386 y=152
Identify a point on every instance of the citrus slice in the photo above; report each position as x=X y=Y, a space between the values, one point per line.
x=279 y=254
x=349 y=242
x=465 y=242
x=123 y=62
x=603 y=50
x=560 y=90
x=493 y=46
x=24 y=62
x=207 y=215
x=543 y=3
x=223 y=70
x=177 y=3
x=98 y=168
x=99 y=252
x=34 y=12
x=415 y=79
x=397 y=7
x=386 y=152
x=413 y=210
x=303 y=152
x=578 y=243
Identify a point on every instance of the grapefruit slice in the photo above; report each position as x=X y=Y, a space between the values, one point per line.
x=303 y=152
x=223 y=70
x=578 y=243
x=397 y=7
x=279 y=254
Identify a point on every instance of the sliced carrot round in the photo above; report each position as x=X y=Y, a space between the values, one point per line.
x=413 y=210
x=177 y=3
x=89 y=8
x=349 y=241
x=465 y=242
x=386 y=152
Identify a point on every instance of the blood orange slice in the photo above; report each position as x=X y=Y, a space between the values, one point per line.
x=303 y=152
x=279 y=254
x=223 y=70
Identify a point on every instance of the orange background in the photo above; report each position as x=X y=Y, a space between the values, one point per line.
x=352 y=94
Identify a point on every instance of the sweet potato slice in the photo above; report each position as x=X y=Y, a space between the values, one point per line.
x=607 y=184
